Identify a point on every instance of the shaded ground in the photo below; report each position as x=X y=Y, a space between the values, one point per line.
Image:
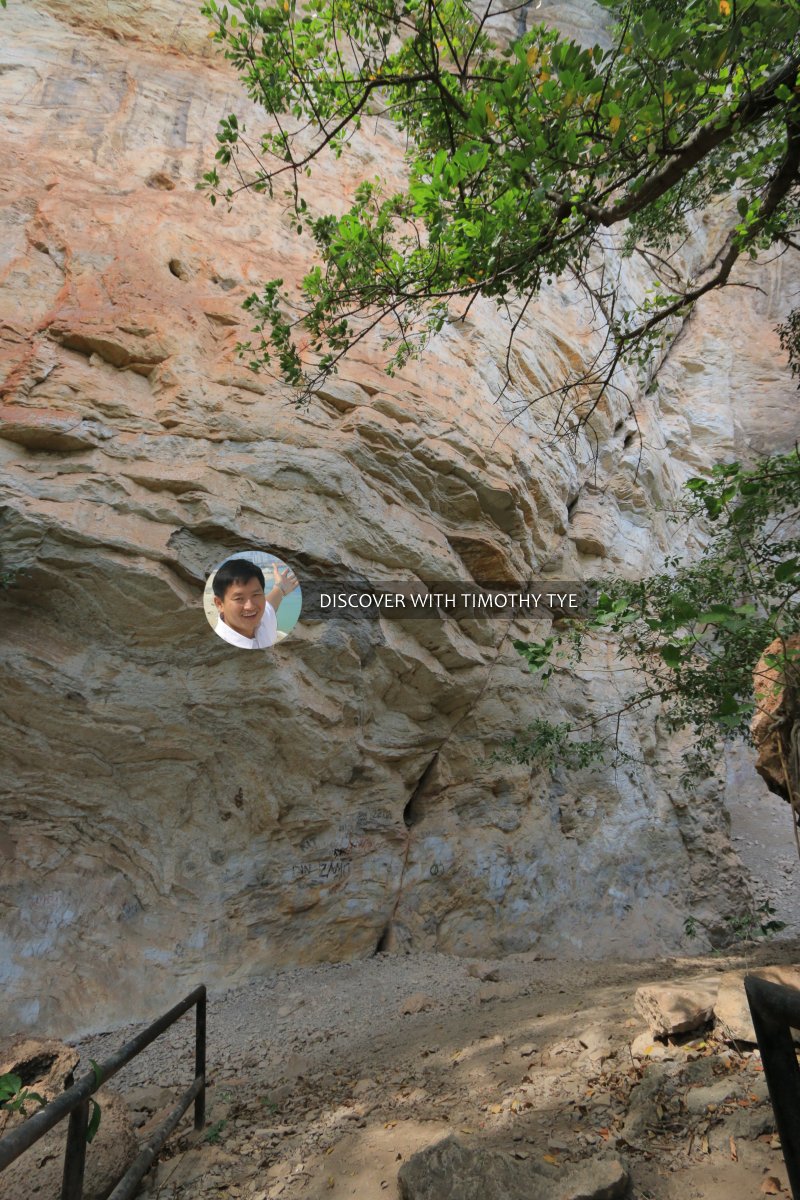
x=320 y=1087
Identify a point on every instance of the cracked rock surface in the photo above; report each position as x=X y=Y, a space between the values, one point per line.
x=174 y=810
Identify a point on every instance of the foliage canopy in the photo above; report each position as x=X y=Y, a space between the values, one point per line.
x=696 y=632
x=527 y=160
x=523 y=161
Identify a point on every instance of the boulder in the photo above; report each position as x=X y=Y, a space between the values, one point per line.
x=416 y=1003
x=46 y=1067
x=731 y=1010
x=449 y=1170
x=699 y=1099
x=670 y=1009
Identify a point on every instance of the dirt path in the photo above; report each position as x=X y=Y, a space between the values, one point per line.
x=321 y=1087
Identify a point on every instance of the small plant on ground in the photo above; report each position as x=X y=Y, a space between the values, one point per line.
x=13 y=1097
x=758 y=922
x=750 y=925
x=214 y=1132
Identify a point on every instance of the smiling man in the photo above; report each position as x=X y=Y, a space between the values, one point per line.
x=247 y=612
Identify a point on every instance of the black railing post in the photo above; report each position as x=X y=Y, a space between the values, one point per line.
x=75 y=1154
x=200 y=1060
x=774 y=1009
x=75 y=1103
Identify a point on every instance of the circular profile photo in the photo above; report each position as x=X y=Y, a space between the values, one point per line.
x=252 y=599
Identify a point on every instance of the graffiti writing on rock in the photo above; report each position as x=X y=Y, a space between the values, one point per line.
x=337 y=868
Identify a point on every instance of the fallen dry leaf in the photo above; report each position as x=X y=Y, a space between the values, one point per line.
x=771 y=1186
x=732 y=1144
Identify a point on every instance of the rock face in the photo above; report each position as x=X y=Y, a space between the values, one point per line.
x=776 y=721
x=175 y=810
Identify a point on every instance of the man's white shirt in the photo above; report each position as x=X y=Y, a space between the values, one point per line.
x=266 y=632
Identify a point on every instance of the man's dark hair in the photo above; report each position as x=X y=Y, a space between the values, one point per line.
x=236 y=570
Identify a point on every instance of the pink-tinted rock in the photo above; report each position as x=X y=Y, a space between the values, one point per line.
x=175 y=810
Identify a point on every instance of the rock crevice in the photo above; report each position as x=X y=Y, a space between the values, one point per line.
x=138 y=452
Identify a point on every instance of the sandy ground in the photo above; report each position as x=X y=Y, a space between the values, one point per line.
x=321 y=1087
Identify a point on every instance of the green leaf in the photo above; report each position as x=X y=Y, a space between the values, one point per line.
x=94 y=1121
x=718 y=615
x=788 y=570
x=671 y=655
x=682 y=610
x=9 y=1086
x=536 y=654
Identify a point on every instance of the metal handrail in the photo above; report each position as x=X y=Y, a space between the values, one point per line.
x=775 y=1009
x=74 y=1103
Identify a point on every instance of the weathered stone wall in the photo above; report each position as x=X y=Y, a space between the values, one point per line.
x=172 y=809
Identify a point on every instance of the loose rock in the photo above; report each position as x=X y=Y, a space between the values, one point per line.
x=731 y=1009
x=670 y=1010
x=416 y=1003
x=449 y=1170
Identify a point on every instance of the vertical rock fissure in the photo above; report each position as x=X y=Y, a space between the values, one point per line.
x=411 y=817
x=412 y=814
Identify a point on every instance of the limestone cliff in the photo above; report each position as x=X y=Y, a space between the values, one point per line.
x=174 y=810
